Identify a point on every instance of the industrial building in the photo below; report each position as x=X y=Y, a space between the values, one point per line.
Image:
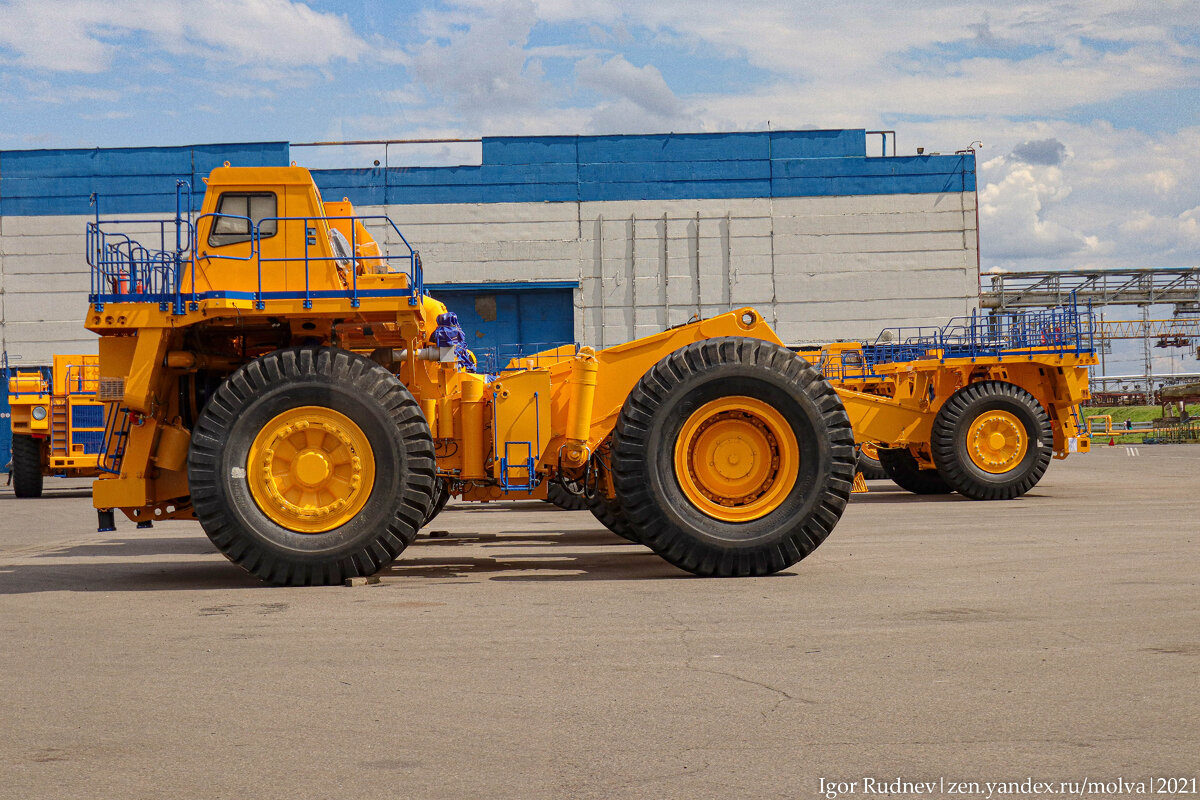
x=595 y=239
x=589 y=239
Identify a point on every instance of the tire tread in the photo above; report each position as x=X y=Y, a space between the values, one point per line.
x=320 y=365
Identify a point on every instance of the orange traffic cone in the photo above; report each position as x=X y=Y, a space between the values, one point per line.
x=1112 y=442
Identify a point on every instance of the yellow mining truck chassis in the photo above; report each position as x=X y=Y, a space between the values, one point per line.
x=57 y=424
x=272 y=373
x=985 y=424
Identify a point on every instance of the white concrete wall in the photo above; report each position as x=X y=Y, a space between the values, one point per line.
x=43 y=288
x=819 y=268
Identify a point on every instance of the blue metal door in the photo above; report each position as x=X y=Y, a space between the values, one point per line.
x=5 y=420
x=504 y=321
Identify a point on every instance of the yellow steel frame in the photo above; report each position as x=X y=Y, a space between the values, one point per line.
x=72 y=378
x=556 y=408
x=896 y=406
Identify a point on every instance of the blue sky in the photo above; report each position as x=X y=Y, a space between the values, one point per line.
x=1087 y=109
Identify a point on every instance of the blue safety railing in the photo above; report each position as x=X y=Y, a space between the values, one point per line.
x=124 y=270
x=82 y=379
x=1064 y=330
x=495 y=360
x=44 y=374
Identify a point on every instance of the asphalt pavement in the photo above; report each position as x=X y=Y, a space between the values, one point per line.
x=530 y=653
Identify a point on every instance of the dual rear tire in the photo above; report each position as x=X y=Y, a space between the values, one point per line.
x=868 y=462
x=566 y=493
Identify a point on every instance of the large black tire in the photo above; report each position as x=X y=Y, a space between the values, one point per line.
x=564 y=498
x=958 y=418
x=653 y=419
x=351 y=385
x=26 y=466
x=870 y=467
x=441 y=496
x=610 y=515
x=902 y=467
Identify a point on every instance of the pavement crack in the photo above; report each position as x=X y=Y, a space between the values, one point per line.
x=782 y=696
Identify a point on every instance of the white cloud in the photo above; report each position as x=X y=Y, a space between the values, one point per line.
x=644 y=86
x=88 y=35
x=1056 y=189
x=476 y=63
x=1012 y=209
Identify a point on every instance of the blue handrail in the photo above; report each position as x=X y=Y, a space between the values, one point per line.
x=124 y=270
x=495 y=360
x=1067 y=329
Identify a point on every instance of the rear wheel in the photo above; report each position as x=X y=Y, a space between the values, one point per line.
x=733 y=457
x=441 y=496
x=311 y=465
x=569 y=497
x=992 y=441
x=868 y=462
x=610 y=515
x=902 y=467
x=26 y=466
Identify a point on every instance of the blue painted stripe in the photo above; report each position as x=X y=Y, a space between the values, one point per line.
x=434 y=288
x=651 y=171
x=869 y=185
x=127 y=180
x=187 y=297
x=669 y=147
x=531 y=150
x=496 y=193
x=80 y=205
x=515 y=169
x=674 y=190
x=850 y=143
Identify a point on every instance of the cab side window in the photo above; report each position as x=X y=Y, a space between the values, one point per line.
x=241 y=209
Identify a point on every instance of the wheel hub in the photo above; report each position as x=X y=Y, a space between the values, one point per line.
x=997 y=441
x=311 y=469
x=736 y=459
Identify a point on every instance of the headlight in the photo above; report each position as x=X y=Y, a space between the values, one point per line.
x=39 y=413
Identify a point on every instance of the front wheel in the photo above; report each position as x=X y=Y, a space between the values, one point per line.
x=733 y=457
x=26 y=466
x=311 y=465
x=992 y=441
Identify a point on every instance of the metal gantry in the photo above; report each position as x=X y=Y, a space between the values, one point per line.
x=1180 y=327
x=1177 y=286
x=1143 y=287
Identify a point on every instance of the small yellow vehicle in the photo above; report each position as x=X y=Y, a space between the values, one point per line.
x=57 y=424
x=998 y=396
x=274 y=369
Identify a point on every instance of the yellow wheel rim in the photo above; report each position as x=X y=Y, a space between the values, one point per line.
x=997 y=441
x=311 y=469
x=870 y=450
x=736 y=459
